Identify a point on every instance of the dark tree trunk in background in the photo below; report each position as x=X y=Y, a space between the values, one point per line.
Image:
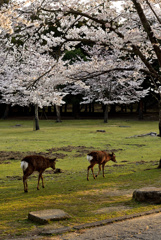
x=90 y=107
x=76 y=110
x=85 y=110
x=131 y=108
x=36 y=117
x=58 y=117
x=159 y=164
x=123 y=108
x=113 y=109
x=6 y=112
x=106 y=113
x=160 y=116
x=140 y=110
x=65 y=108
x=93 y=107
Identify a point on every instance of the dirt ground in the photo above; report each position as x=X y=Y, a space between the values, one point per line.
x=51 y=153
x=7 y=156
x=81 y=151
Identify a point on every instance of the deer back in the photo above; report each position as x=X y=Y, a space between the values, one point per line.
x=37 y=162
x=101 y=156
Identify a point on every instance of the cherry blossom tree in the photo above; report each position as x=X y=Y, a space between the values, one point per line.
x=101 y=81
x=136 y=30
x=58 y=25
x=146 y=43
x=28 y=77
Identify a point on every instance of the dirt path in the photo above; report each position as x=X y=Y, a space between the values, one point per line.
x=142 y=228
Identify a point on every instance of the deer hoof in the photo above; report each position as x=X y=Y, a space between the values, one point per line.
x=25 y=190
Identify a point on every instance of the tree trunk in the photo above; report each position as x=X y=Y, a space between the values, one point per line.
x=6 y=112
x=90 y=107
x=76 y=110
x=113 y=109
x=160 y=116
x=131 y=108
x=58 y=117
x=106 y=114
x=141 y=110
x=159 y=164
x=65 y=108
x=36 y=117
x=93 y=107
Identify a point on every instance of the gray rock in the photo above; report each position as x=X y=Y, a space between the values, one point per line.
x=151 y=195
x=45 y=216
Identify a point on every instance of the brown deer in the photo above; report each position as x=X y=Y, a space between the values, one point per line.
x=100 y=158
x=32 y=163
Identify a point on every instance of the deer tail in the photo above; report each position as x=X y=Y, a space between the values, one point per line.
x=24 y=165
x=89 y=158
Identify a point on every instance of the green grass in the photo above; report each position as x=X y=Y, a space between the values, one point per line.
x=70 y=191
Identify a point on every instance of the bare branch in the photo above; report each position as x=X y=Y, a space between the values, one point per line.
x=145 y=61
x=159 y=20
x=148 y=30
x=98 y=73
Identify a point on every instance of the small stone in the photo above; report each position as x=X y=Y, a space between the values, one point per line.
x=100 y=131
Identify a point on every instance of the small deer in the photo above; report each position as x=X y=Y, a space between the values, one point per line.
x=32 y=163
x=100 y=158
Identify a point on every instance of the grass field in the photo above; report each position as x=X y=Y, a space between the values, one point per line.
x=86 y=201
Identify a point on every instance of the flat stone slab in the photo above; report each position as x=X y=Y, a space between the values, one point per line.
x=151 y=195
x=45 y=216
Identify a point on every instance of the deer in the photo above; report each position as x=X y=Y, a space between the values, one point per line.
x=32 y=163
x=100 y=158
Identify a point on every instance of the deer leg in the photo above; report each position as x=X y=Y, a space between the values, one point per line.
x=26 y=174
x=103 y=167
x=90 y=166
x=40 y=176
x=99 y=169
x=38 y=181
x=93 y=172
x=88 y=173
x=42 y=181
x=25 y=183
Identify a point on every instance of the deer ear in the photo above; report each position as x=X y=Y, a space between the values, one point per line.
x=111 y=154
x=52 y=160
